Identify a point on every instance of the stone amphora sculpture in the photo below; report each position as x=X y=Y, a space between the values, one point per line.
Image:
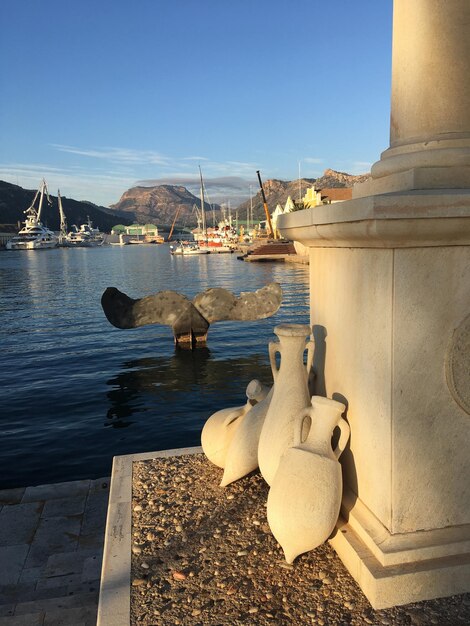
x=290 y=395
x=305 y=498
x=219 y=429
x=242 y=452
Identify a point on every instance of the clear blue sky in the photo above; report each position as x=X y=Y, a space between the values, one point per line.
x=100 y=94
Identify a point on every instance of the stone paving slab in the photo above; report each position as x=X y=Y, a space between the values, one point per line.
x=12 y=559
x=64 y=506
x=32 y=619
x=57 y=490
x=11 y=496
x=19 y=522
x=53 y=534
x=51 y=544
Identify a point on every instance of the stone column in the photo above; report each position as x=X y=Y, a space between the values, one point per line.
x=430 y=110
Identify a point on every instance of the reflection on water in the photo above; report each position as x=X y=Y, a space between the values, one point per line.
x=77 y=391
x=190 y=383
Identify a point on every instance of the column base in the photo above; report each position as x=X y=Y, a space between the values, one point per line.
x=399 y=569
x=415 y=178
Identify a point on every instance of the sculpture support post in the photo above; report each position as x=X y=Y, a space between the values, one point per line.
x=397 y=259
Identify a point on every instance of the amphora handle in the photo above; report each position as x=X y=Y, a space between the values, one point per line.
x=299 y=424
x=309 y=346
x=235 y=414
x=273 y=347
x=345 y=431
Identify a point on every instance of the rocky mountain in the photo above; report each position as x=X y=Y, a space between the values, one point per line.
x=277 y=191
x=160 y=204
x=332 y=178
x=14 y=200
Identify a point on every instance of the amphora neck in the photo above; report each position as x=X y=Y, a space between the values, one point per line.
x=292 y=342
x=325 y=415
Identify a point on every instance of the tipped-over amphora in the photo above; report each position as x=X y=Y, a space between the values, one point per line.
x=221 y=426
x=242 y=452
x=305 y=498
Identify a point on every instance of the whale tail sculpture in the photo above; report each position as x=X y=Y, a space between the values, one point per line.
x=190 y=319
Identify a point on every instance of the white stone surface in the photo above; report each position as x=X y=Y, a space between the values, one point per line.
x=430 y=431
x=392 y=220
x=352 y=323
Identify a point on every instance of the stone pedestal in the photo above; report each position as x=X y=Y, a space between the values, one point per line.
x=390 y=309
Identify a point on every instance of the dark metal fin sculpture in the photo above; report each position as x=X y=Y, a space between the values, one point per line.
x=190 y=320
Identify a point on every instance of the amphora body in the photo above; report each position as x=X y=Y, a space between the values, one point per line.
x=305 y=498
x=242 y=452
x=290 y=395
x=221 y=426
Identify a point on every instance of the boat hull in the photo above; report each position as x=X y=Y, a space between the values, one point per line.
x=30 y=245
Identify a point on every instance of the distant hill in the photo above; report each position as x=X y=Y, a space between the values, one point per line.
x=277 y=191
x=14 y=200
x=160 y=204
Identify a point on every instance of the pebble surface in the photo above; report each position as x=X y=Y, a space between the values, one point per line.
x=204 y=555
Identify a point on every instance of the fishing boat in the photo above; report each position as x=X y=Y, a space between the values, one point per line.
x=34 y=235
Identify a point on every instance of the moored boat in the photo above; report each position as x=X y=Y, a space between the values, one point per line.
x=83 y=236
x=187 y=248
x=34 y=235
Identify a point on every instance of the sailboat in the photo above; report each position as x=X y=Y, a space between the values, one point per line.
x=220 y=239
x=34 y=235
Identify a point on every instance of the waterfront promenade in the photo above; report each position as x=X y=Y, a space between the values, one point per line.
x=51 y=545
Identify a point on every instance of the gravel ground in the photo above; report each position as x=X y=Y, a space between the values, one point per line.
x=203 y=555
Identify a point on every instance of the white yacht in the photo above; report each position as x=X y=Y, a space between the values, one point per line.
x=34 y=235
x=188 y=248
x=86 y=236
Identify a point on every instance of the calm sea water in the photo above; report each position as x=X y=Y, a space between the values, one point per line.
x=75 y=391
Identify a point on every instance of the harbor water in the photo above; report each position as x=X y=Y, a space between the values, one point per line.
x=75 y=391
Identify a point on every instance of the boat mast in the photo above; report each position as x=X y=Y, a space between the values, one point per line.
x=250 y=210
x=63 y=221
x=41 y=198
x=202 y=205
